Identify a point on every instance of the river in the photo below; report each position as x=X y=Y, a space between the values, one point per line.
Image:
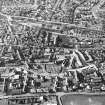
x=83 y=99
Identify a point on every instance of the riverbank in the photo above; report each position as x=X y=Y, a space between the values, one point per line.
x=59 y=94
x=80 y=93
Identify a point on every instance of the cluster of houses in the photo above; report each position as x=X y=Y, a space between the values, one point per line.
x=69 y=72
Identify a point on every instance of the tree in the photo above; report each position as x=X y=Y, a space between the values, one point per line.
x=58 y=41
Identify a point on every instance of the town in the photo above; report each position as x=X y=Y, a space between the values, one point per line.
x=50 y=49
